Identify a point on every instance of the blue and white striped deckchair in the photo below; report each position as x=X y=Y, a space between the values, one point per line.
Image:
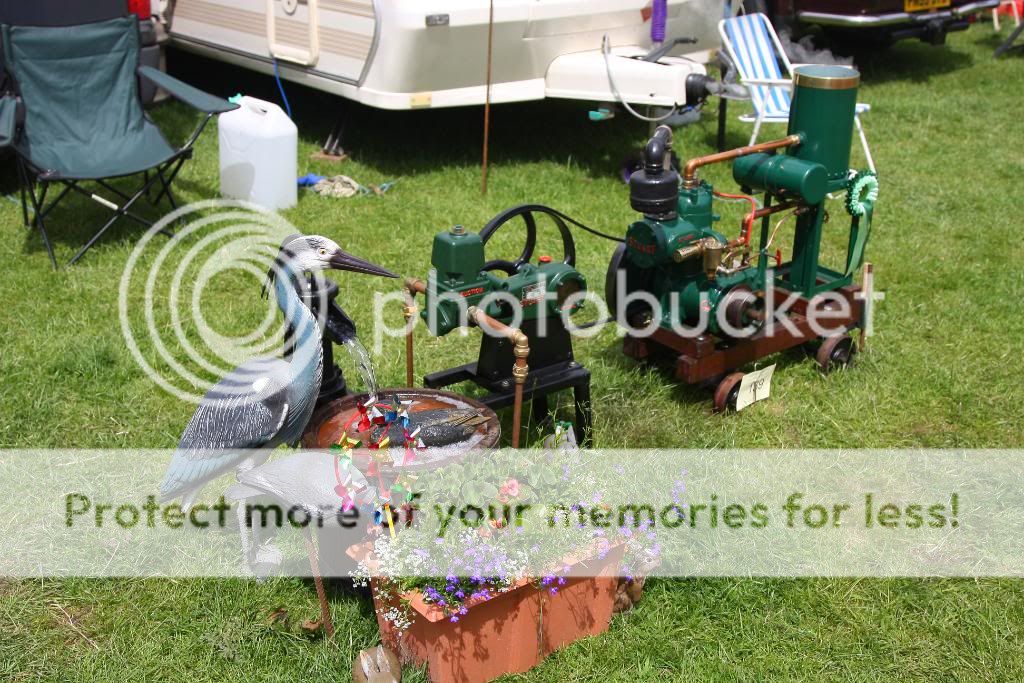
x=752 y=44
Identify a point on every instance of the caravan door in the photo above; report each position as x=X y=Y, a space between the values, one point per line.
x=293 y=31
x=330 y=39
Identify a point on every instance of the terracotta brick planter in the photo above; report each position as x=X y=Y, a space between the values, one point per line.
x=509 y=633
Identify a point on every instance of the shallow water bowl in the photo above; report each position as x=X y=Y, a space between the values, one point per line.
x=327 y=425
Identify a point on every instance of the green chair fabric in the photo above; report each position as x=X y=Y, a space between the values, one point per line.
x=8 y=120
x=84 y=118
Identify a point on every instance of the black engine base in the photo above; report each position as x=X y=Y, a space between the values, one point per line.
x=552 y=368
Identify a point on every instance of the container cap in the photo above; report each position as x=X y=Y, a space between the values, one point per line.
x=826 y=77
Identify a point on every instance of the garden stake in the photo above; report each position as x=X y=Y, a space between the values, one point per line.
x=487 y=100
x=412 y=286
x=868 y=297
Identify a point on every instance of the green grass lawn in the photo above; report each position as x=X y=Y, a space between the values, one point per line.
x=947 y=135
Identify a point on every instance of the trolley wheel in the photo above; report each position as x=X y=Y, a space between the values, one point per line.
x=727 y=391
x=835 y=352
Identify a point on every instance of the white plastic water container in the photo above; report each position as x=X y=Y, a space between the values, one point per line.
x=258 y=154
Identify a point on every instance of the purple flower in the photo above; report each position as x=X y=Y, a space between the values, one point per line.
x=454 y=619
x=460 y=594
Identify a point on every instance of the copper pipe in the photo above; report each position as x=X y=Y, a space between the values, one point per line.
x=690 y=171
x=748 y=220
x=410 y=287
x=318 y=581
x=519 y=371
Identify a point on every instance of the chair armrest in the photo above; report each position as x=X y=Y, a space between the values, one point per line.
x=776 y=82
x=194 y=97
x=8 y=120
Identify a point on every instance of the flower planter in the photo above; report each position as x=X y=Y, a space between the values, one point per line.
x=508 y=633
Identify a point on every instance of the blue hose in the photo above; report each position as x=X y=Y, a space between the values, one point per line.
x=280 y=87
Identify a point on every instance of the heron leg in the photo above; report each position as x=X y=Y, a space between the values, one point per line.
x=245 y=534
x=267 y=557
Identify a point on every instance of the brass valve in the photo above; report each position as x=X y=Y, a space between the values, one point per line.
x=709 y=248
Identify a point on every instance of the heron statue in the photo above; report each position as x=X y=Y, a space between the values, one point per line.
x=265 y=402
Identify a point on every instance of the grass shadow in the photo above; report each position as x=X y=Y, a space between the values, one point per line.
x=910 y=61
x=558 y=131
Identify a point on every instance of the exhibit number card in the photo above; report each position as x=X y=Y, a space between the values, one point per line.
x=756 y=386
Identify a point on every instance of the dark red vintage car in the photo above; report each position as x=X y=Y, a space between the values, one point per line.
x=882 y=20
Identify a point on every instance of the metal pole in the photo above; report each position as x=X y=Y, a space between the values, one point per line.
x=487 y=100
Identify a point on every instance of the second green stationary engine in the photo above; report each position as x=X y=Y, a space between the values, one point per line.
x=706 y=296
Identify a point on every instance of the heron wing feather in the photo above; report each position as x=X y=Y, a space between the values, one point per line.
x=244 y=410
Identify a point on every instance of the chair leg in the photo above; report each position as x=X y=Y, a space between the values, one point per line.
x=95 y=238
x=166 y=183
x=995 y=17
x=757 y=129
x=37 y=220
x=122 y=211
x=864 y=143
x=22 y=183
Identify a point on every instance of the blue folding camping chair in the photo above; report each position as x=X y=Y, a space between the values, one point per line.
x=763 y=67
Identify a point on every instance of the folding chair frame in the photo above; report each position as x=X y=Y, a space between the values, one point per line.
x=35 y=184
x=166 y=162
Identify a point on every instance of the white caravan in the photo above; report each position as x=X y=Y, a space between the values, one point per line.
x=408 y=54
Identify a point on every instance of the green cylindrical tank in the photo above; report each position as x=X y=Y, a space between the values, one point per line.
x=779 y=173
x=823 y=108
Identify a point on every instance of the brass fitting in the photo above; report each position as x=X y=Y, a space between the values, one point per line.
x=686 y=253
x=522 y=344
x=709 y=248
x=413 y=285
x=713 y=251
x=519 y=373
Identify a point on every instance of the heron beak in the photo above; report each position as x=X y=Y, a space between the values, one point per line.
x=342 y=260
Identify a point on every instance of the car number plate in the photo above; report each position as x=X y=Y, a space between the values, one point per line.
x=924 y=5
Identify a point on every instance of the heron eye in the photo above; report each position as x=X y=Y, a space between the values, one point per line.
x=323 y=252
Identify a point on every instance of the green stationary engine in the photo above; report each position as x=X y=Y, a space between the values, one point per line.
x=678 y=270
x=463 y=277
x=532 y=297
